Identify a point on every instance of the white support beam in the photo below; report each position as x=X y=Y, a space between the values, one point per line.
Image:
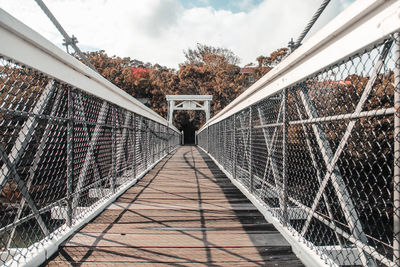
x=26 y=133
x=89 y=154
x=188 y=102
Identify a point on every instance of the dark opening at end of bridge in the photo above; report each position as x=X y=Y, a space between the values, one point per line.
x=189 y=130
x=189 y=122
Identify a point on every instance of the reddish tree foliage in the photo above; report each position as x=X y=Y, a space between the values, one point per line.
x=207 y=70
x=138 y=72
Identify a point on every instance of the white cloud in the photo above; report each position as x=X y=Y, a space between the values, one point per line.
x=158 y=31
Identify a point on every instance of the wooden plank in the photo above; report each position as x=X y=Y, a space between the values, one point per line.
x=209 y=206
x=184 y=212
x=171 y=228
x=160 y=213
x=170 y=255
x=177 y=240
x=143 y=218
x=183 y=195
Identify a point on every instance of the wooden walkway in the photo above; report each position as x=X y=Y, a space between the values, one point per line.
x=184 y=212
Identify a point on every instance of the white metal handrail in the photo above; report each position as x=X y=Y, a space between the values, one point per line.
x=315 y=142
x=22 y=44
x=360 y=26
x=71 y=142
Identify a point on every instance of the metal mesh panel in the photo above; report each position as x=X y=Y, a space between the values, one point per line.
x=320 y=155
x=62 y=152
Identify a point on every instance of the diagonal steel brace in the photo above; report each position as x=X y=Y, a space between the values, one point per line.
x=89 y=154
x=26 y=134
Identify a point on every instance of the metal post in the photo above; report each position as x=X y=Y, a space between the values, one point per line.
x=171 y=107
x=70 y=156
x=207 y=109
x=114 y=148
x=234 y=147
x=134 y=144
x=153 y=139
x=146 y=145
x=208 y=139
x=224 y=146
x=250 y=146
x=217 y=139
x=284 y=158
x=396 y=179
x=168 y=141
x=158 y=141
x=154 y=142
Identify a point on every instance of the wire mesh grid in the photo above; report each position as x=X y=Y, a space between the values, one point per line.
x=62 y=152
x=320 y=156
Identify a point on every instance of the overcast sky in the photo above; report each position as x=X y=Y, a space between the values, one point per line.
x=158 y=31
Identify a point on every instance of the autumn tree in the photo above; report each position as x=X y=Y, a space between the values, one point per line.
x=206 y=70
x=213 y=71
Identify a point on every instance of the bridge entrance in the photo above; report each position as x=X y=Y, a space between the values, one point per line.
x=188 y=102
x=189 y=131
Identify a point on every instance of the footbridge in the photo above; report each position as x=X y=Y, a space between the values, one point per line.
x=303 y=168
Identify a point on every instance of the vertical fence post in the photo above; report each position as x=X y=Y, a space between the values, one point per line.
x=284 y=157
x=134 y=144
x=250 y=146
x=153 y=138
x=145 y=144
x=234 y=147
x=208 y=139
x=160 y=145
x=224 y=150
x=70 y=156
x=396 y=178
x=217 y=132
x=162 y=141
x=153 y=142
x=157 y=137
x=164 y=145
x=114 y=148
x=168 y=141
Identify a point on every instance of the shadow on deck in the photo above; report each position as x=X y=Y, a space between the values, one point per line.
x=183 y=212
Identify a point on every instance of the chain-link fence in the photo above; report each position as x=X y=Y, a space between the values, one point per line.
x=320 y=156
x=62 y=152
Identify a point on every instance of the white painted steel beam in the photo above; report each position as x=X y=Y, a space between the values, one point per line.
x=189 y=97
x=189 y=102
x=35 y=163
x=26 y=133
x=89 y=154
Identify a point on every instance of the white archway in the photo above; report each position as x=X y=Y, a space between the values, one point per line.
x=188 y=102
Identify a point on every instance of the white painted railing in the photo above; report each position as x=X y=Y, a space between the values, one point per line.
x=70 y=143
x=315 y=143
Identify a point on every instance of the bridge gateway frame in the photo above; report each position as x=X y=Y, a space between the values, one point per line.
x=189 y=102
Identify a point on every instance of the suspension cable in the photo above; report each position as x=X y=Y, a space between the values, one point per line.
x=68 y=40
x=309 y=25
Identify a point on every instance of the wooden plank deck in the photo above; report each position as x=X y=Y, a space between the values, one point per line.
x=184 y=212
